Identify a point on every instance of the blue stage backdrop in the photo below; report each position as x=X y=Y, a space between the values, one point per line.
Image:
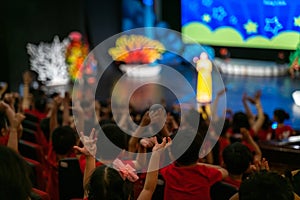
x=273 y=24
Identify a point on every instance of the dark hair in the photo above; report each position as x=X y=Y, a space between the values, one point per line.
x=240 y=120
x=267 y=122
x=112 y=134
x=267 y=186
x=40 y=103
x=63 y=139
x=106 y=183
x=237 y=158
x=3 y=121
x=191 y=155
x=14 y=176
x=281 y=115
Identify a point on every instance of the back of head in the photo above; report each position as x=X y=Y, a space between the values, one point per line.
x=106 y=183
x=63 y=139
x=191 y=154
x=14 y=177
x=112 y=142
x=237 y=158
x=240 y=120
x=281 y=115
x=266 y=186
x=40 y=103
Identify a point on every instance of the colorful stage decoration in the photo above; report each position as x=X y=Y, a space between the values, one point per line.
x=204 y=81
x=76 y=53
x=295 y=61
x=296 y=97
x=273 y=24
x=48 y=60
x=139 y=53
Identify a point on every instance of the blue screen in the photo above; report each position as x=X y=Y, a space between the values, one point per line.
x=271 y=24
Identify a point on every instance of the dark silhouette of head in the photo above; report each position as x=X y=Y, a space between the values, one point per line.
x=237 y=158
x=266 y=186
x=14 y=176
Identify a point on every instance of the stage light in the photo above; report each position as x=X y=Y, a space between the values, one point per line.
x=296 y=97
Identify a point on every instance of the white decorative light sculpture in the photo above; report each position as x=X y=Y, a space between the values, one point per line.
x=48 y=60
x=296 y=97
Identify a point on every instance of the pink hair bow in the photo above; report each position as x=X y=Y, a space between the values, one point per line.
x=125 y=171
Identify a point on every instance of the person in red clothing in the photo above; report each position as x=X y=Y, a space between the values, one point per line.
x=237 y=160
x=61 y=146
x=186 y=178
x=115 y=180
x=282 y=131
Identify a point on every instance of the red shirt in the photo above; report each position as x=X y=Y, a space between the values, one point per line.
x=283 y=132
x=4 y=139
x=223 y=142
x=189 y=183
x=264 y=135
x=38 y=114
x=233 y=182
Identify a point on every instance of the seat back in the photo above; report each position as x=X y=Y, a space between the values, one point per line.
x=37 y=194
x=32 y=151
x=29 y=135
x=70 y=179
x=36 y=173
x=222 y=191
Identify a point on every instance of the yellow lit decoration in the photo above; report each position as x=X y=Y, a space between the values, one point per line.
x=136 y=49
x=75 y=55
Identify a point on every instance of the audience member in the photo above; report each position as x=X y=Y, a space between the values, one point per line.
x=266 y=186
x=186 y=178
x=282 y=130
x=14 y=176
x=103 y=182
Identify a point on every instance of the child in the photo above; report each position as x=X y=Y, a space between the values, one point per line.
x=266 y=185
x=186 y=178
x=282 y=131
x=116 y=181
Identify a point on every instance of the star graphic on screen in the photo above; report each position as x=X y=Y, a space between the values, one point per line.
x=272 y=25
x=207 y=3
x=233 y=20
x=251 y=27
x=219 y=13
x=297 y=21
x=206 y=18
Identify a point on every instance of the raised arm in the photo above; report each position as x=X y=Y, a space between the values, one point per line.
x=260 y=113
x=214 y=106
x=152 y=174
x=248 y=138
x=53 y=117
x=89 y=150
x=250 y=115
x=15 y=129
x=66 y=111
x=133 y=141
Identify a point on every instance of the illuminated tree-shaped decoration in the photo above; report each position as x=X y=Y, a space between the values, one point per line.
x=48 y=60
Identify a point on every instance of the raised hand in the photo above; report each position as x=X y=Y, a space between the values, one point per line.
x=160 y=147
x=89 y=144
x=16 y=122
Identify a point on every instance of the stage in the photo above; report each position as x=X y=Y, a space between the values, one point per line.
x=276 y=90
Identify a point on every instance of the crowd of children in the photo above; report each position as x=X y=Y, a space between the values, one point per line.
x=151 y=167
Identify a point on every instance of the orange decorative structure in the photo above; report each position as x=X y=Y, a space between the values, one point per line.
x=136 y=49
x=75 y=54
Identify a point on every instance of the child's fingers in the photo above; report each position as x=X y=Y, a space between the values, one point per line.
x=92 y=134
